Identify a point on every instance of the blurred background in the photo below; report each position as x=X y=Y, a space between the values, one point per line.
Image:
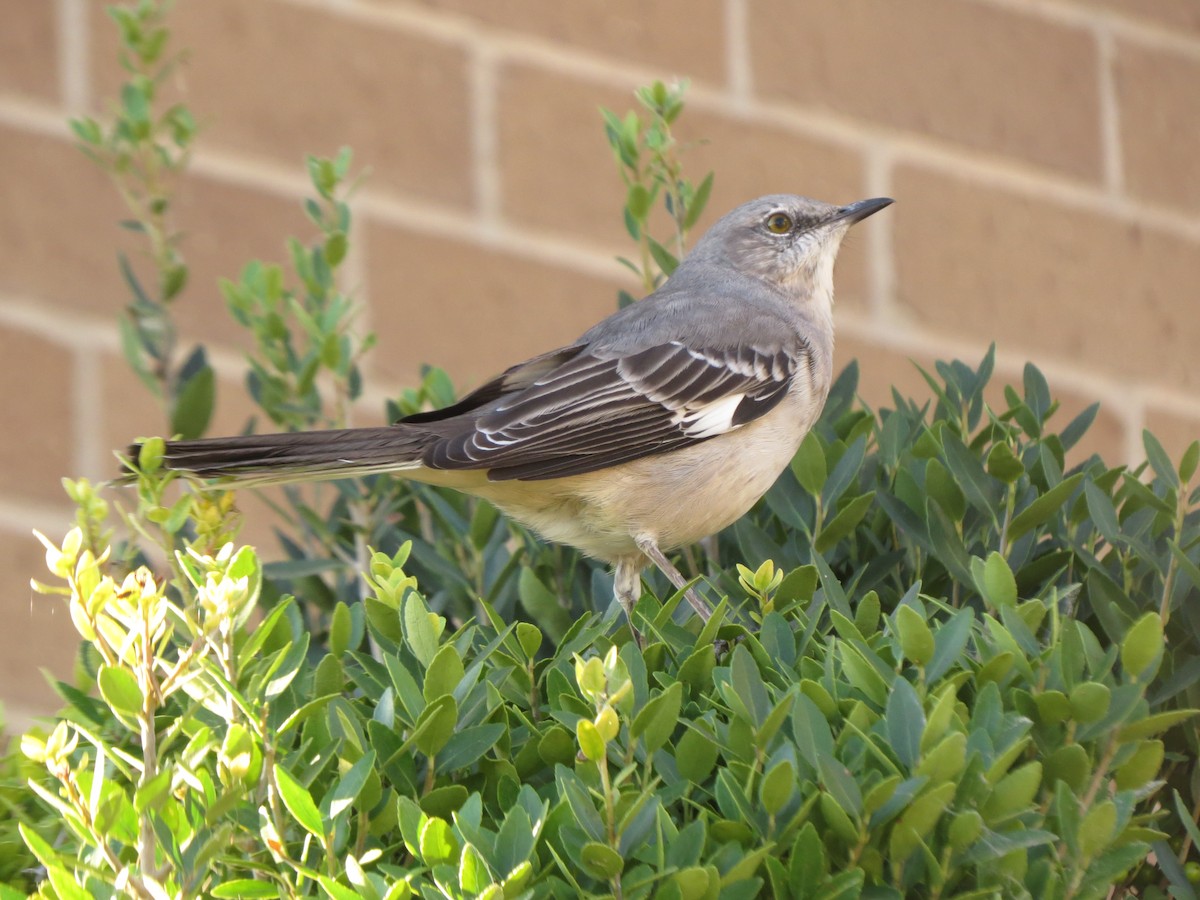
x=1044 y=155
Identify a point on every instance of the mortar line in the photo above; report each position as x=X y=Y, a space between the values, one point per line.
x=73 y=55
x=946 y=159
x=1126 y=27
x=739 y=73
x=484 y=136
x=1110 y=115
x=87 y=419
x=881 y=263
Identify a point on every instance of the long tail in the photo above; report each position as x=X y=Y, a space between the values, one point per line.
x=298 y=456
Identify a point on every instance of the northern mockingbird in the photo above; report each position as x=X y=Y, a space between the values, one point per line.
x=658 y=427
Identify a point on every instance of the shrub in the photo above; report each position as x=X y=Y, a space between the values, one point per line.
x=955 y=661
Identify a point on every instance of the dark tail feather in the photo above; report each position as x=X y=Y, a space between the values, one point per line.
x=298 y=456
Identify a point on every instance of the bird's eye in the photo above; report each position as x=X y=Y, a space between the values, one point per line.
x=779 y=223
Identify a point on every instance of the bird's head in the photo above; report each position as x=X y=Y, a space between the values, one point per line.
x=786 y=240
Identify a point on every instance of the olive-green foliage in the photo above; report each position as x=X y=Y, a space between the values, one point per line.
x=816 y=738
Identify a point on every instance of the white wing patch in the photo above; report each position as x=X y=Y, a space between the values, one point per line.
x=711 y=419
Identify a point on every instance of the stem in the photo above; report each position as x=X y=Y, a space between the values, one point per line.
x=1009 y=504
x=150 y=697
x=429 y=776
x=610 y=817
x=1186 y=846
x=1164 y=608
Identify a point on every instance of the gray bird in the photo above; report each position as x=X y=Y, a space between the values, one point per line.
x=658 y=427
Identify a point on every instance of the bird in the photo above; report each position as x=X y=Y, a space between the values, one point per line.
x=655 y=429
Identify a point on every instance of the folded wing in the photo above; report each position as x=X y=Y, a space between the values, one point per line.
x=595 y=409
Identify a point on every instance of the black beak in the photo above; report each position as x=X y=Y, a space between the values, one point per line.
x=856 y=212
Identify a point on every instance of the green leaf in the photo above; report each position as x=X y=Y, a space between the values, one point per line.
x=1042 y=509
x=1013 y=794
x=996 y=582
x=748 y=684
x=1152 y=725
x=437 y=843
x=467 y=745
x=638 y=201
x=808 y=465
x=1191 y=458
x=699 y=202
x=1104 y=515
x=1002 y=463
x=590 y=741
x=340 y=627
x=530 y=639
x=1142 y=767
x=335 y=248
x=814 y=740
x=777 y=787
x=1089 y=701
x=696 y=754
x=444 y=673
x=844 y=522
x=1142 y=645
x=1098 y=828
x=656 y=722
x=473 y=874
x=350 y=785
x=419 y=631
x=245 y=889
x=1159 y=461
x=950 y=640
x=120 y=690
x=543 y=606
x=601 y=861
x=665 y=259
x=916 y=640
x=194 y=404
x=905 y=720
x=299 y=803
x=337 y=891
x=435 y=726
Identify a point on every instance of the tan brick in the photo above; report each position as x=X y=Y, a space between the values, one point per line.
x=987 y=78
x=281 y=81
x=556 y=169
x=750 y=159
x=226 y=226
x=1174 y=430
x=679 y=37
x=37 y=446
x=37 y=636
x=472 y=310
x=28 y=49
x=1107 y=436
x=1159 y=97
x=1175 y=15
x=59 y=225
x=1052 y=282
x=571 y=184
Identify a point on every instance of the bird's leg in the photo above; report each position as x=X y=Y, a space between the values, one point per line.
x=627 y=586
x=646 y=545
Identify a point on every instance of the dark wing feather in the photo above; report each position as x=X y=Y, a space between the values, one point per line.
x=515 y=378
x=592 y=410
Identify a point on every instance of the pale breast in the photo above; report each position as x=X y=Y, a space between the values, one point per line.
x=676 y=498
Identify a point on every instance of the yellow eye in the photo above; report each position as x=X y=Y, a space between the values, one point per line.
x=779 y=223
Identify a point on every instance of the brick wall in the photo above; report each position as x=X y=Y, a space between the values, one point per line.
x=1045 y=155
